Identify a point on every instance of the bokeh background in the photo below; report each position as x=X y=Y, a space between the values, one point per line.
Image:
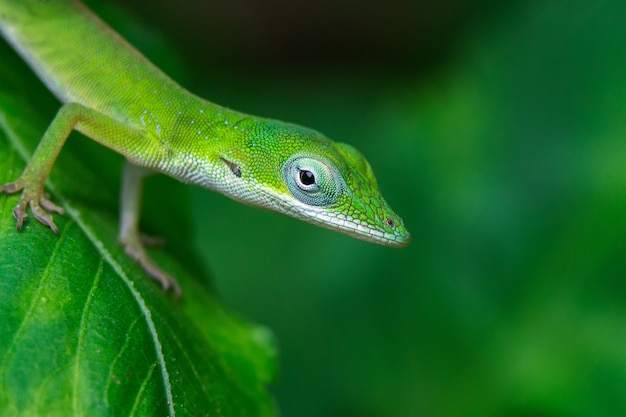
x=496 y=129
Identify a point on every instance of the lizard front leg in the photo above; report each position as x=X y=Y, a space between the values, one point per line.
x=33 y=179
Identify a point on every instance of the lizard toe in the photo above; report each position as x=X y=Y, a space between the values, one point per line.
x=11 y=187
x=20 y=215
x=43 y=216
x=49 y=205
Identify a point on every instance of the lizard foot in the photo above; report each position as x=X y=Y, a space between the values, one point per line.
x=135 y=249
x=39 y=204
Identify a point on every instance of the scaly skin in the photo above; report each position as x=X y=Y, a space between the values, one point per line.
x=114 y=95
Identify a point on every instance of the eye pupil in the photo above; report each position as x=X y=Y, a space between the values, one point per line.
x=307 y=177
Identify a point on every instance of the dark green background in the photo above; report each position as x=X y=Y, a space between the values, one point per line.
x=496 y=129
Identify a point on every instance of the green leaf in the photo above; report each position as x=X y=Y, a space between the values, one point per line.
x=83 y=330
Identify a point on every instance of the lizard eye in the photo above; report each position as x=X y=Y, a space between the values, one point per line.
x=307 y=178
x=313 y=181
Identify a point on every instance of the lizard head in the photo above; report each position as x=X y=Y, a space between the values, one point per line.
x=301 y=173
x=337 y=189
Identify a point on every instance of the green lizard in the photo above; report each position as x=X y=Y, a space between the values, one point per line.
x=115 y=96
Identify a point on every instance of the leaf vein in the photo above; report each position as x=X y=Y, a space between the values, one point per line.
x=184 y=349
x=117 y=358
x=142 y=390
x=81 y=335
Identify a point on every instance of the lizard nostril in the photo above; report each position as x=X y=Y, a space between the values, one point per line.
x=390 y=222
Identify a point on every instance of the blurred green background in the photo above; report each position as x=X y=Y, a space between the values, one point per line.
x=496 y=129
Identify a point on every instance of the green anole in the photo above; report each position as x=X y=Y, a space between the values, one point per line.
x=115 y=96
